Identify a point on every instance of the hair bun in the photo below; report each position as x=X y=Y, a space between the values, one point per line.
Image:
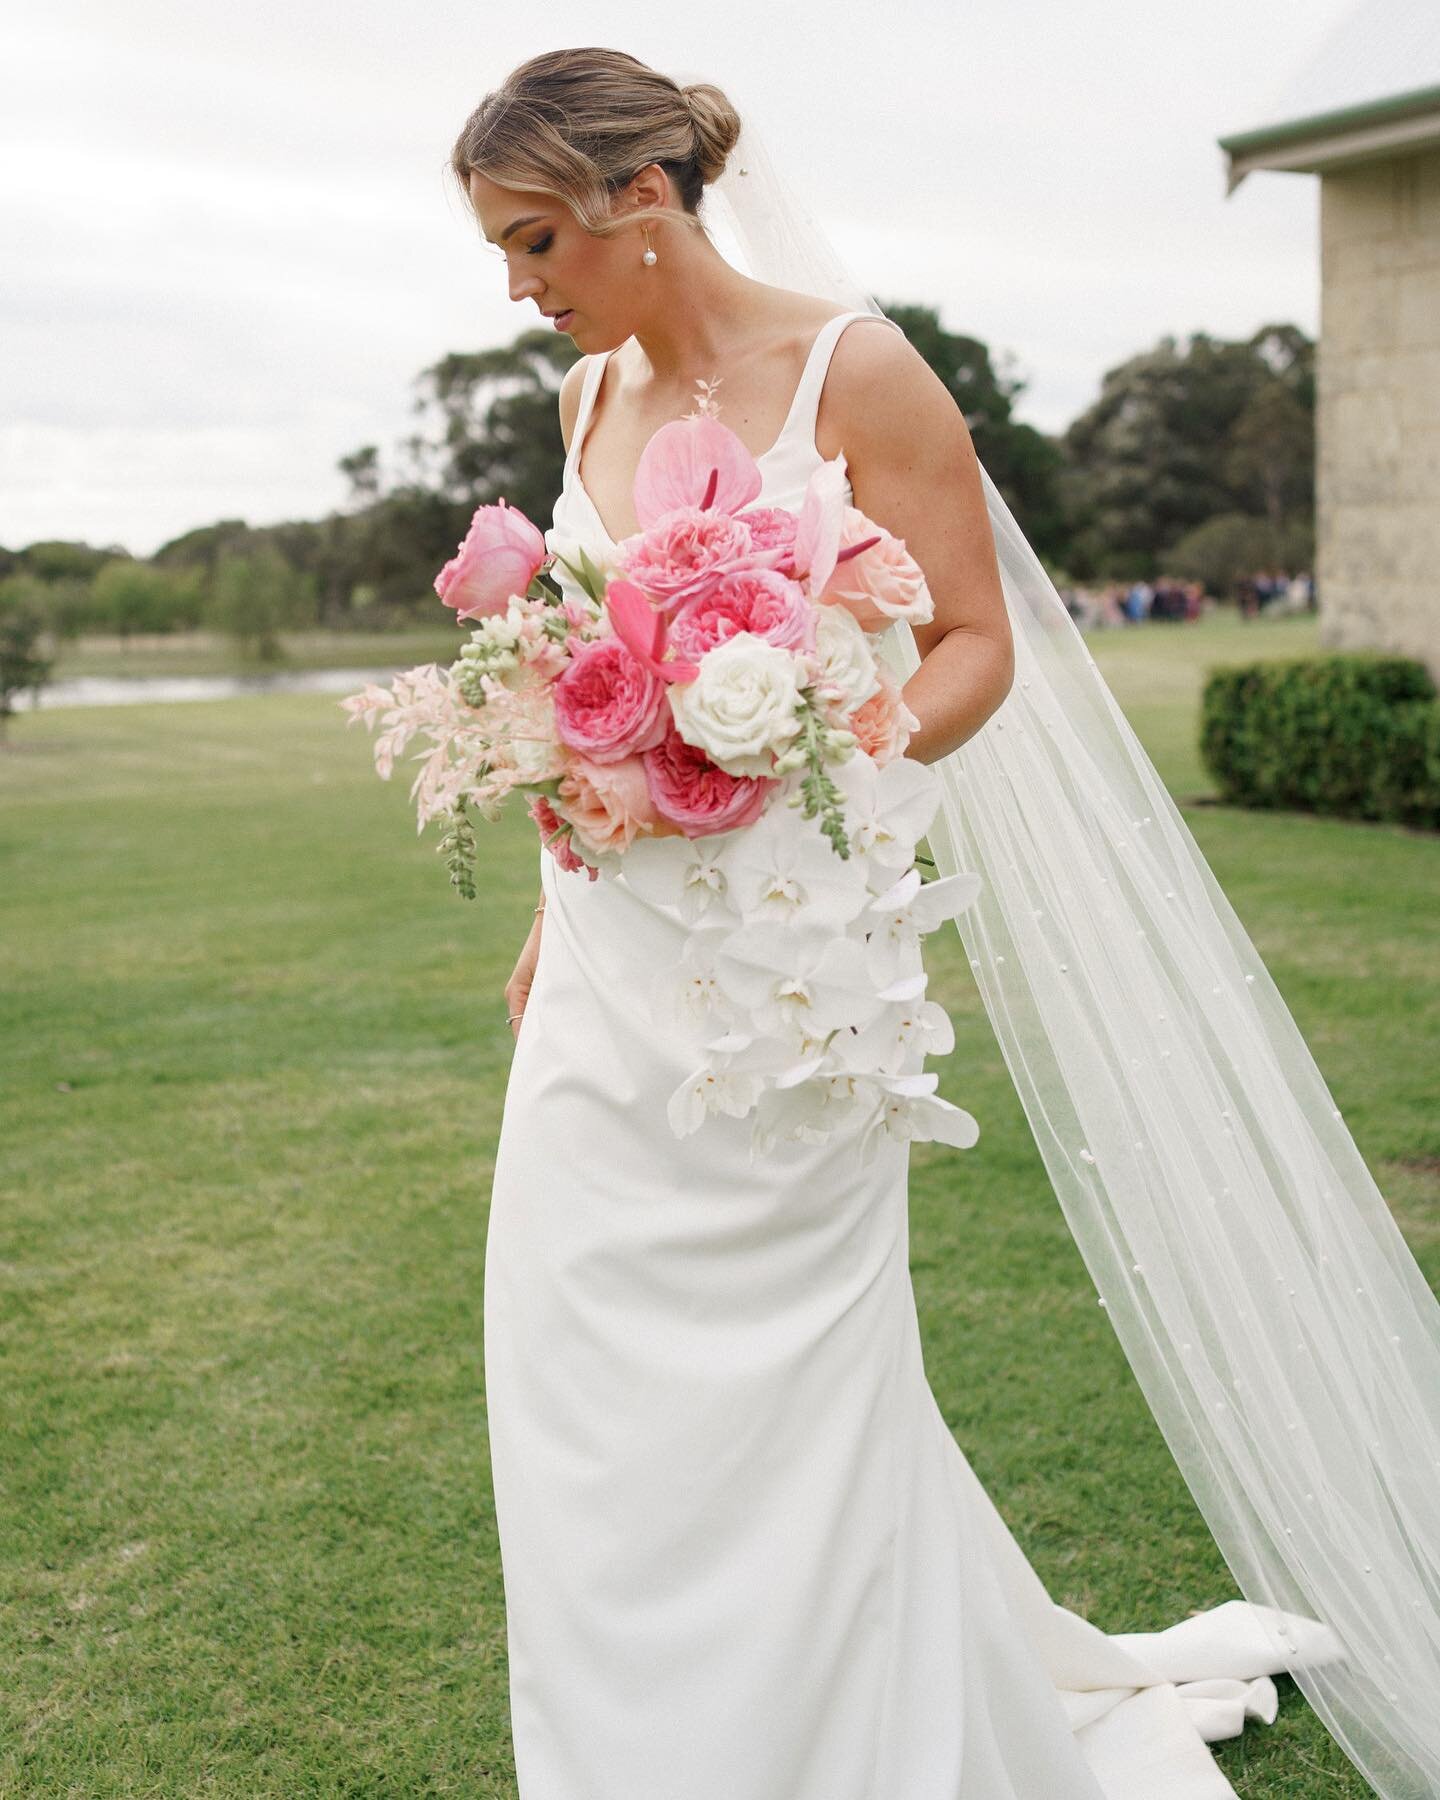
x=717 y=126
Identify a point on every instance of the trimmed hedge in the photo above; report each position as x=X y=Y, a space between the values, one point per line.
x=1355 y=735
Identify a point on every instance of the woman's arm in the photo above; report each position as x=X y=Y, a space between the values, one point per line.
x=913 y=470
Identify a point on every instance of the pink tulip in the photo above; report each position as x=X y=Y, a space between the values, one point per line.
x=498 y=558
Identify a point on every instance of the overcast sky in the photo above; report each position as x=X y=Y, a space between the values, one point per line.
x=228 y=246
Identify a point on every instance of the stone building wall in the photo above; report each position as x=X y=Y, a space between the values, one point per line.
x=1377 y=558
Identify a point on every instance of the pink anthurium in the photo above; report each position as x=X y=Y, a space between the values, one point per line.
x=694 y=462
x=642 y=631
x=817 y=533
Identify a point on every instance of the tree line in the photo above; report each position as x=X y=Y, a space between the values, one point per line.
x=1195 y=460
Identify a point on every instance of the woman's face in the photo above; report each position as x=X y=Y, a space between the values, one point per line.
x=554 y=262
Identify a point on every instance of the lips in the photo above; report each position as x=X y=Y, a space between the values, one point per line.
x=560 y=320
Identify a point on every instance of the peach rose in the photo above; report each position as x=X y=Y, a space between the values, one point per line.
x=883 y=724
x=879 y=584
x=609 y=804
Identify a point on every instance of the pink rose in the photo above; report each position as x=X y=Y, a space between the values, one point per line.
x=760 y=601
x=499 y=556
x=880 y=583
x=607 y=705
x=609 y=803
x=699 y=797
x=555 y=835
x=772 y=529
x=883 y=723
x=685 y=552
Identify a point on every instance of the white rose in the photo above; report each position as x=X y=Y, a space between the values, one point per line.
x=844 y=661
x=741 y=705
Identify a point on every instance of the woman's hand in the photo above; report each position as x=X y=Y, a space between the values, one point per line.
x=517 y=988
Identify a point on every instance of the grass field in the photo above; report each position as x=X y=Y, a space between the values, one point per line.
x=252 y=1061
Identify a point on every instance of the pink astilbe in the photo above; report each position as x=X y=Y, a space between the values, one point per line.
x=425 y=702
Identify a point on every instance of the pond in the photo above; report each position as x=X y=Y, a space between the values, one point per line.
x=132 y=690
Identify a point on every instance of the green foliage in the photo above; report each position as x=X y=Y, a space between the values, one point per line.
x=23 y=623
x=54 y=560
x=129 y=596
x=1023 y=463
x=1178 y=437
x=1233 y=544
x=1357 y=736
x=254 y=597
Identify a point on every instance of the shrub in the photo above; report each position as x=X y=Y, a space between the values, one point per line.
x=1358 y=736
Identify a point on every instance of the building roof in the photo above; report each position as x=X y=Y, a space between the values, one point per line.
x=1370 y=88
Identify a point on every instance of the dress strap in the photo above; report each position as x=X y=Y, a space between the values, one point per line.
x=590 y=387
x=805 y=407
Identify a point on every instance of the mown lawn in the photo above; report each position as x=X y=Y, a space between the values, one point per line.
x=252 y=1061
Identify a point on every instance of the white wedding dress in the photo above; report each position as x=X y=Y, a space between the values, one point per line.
x=743 y=1557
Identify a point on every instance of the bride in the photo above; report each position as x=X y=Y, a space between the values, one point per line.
x=743 y=1557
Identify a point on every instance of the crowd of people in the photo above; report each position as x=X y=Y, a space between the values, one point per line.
x=1269 y=591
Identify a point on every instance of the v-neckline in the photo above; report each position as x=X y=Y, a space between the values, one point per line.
x=579 y=446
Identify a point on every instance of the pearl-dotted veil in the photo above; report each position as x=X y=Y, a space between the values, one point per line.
x=1282 y=1333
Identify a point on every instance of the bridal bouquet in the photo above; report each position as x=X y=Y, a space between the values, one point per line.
x=720 y=676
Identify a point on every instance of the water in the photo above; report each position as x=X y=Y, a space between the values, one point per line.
x=133 y=690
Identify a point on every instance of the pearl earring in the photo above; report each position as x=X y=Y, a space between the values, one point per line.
x=649 y=256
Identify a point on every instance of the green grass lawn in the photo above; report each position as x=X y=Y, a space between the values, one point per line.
x=252 y=1061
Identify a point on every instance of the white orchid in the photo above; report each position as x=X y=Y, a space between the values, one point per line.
x=896 y=1040
x=686 y=873
x=709 y=1090
x=887 y=809
x=910 y=1109
x=687 y=994
x=782 y=870
x=740 y=1069
x=796 y=984
x=904 y=912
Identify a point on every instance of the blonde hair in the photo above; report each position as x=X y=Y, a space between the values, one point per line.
x=579 y=124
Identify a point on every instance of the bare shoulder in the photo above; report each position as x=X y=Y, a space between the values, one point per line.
x=881 y=396
x=569 y=399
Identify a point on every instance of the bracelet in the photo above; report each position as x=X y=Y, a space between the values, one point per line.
x=541 y=907
x=513 y=1017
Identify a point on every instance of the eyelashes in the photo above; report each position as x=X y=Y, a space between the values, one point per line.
x=536 y=249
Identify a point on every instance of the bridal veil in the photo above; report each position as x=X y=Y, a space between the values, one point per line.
x=1279 y=1327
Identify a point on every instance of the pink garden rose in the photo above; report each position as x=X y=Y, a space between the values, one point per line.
x=555 y=835
x=772 y=528
x=499 y=555
x=880 y=583
x=761 y=601
x=883 y=723
x=699 y=797
x=685 y=552
x=610 y=803
x=607 y=705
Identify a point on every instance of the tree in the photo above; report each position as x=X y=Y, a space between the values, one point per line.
x=23 y=621
x=362 y=470
x=1178 y=437
x=1024 y=464
x=253 y=597
x=132 y=596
